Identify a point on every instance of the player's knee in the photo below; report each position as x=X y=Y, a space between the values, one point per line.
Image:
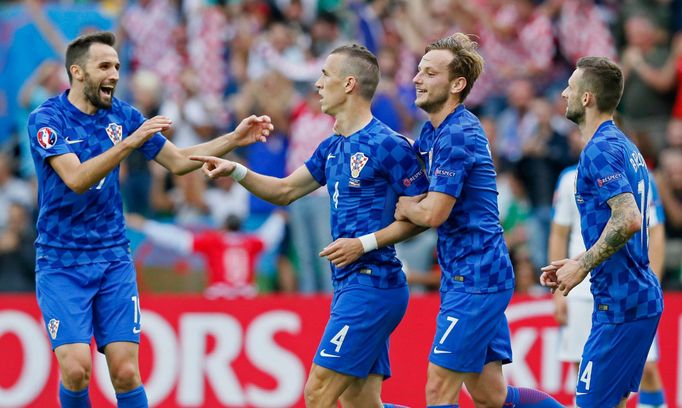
x=437 y=389
x=489 y=400
x=125 y=376
x=75 y=374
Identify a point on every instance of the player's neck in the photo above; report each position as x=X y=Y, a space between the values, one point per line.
x=436 y=118
x=350 y=121
x=593 y=120
x=78 y=99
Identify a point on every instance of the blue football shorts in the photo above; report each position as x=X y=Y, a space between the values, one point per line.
x=613 y=361
x=471 y=331
x=99 y=299
x=355 y=341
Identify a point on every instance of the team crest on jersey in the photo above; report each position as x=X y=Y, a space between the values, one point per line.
x=47 y=137
x=115 y=132
x=52 y=327
x=357 y=163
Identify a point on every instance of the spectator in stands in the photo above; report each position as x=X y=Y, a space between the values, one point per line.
x=13 y=190
x=147 y=92
x=17 y=254
x=645 y=121
x=669 y=180
x=594 y=37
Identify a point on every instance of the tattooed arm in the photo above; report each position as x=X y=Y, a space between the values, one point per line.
x=624 y=222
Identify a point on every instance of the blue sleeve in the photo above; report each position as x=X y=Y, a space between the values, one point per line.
x=154 y=144
x=404 y=170
x=317 y=162
x=44 y=132
x=452 y=161
x=606 y=168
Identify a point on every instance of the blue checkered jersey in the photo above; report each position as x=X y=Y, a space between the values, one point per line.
x=472 y=252
x=623 y=286
x=365 y=173
x=78 y=229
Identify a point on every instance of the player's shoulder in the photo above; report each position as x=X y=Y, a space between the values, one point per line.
x=384 y=136
x=49 y=107
x=461 y=127
x=120 y=106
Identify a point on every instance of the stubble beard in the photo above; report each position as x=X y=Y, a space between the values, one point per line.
x=91 y=92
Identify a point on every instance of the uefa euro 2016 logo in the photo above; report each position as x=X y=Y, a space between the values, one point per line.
x=47 y=137
x=357 y=163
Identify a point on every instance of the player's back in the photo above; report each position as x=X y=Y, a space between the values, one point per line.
x=76 y=229
x=471 y=247
x=624 y=287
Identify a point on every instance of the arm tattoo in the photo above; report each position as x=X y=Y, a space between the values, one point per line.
x=616 y=232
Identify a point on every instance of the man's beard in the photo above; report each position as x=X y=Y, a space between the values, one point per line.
x=576 y=116
x=434 y=104
x=91 y=92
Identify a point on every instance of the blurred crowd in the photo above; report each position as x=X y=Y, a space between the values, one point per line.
x=209 y=63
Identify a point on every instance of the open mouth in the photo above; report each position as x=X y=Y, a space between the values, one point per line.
x=106 y=91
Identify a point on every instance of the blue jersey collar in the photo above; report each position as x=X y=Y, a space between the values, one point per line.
x=456 y=112
x=365 y=129
x=64 y=99
x=605 y=124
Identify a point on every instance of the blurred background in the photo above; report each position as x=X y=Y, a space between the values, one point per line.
x=209 y=63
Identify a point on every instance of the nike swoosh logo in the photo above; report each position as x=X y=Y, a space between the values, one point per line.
x=331 y=156
x=436 y=351
x=69 y=141
x=136 y=331
x=580 y=393
x=423 y=153
x=325 y=354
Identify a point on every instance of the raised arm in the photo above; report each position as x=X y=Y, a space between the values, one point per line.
x=79 y=177
x=251 y=130
x=279 y=191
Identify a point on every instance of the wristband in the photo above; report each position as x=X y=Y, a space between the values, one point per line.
x=239 y=172
x=369 y=242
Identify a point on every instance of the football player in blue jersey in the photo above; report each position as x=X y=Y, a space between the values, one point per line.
x=612 y=189
x=366 y=166
x=85 y=280
x=472 y=339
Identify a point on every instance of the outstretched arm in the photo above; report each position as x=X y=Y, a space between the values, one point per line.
x=251 y=130
x=279 y=191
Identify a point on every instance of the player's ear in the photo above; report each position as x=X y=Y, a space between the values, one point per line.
x=76 y=72
x=350 y=84
x=458 y=85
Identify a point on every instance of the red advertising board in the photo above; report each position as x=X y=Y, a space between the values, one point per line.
x=256 y=353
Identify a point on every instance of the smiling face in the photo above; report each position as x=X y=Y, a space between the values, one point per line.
x=432 y=81
x=574 y=95
x=331 y=85
x=100 y=75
